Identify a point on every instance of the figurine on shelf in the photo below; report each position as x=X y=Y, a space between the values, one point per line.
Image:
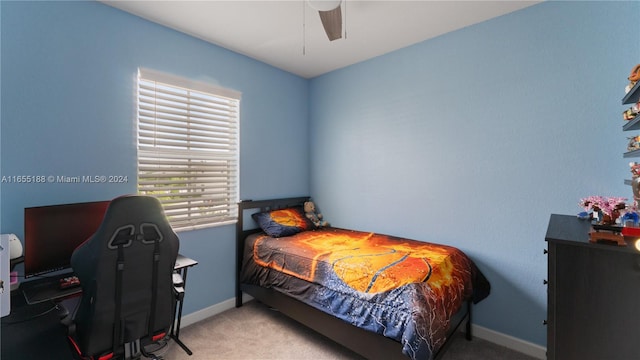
x=631 y=112
x=633 y=78
x=635 y=183
x=630 y=219
x=634 y=143
x=635 y=169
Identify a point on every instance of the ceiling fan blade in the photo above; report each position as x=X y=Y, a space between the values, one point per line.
x=332 y=22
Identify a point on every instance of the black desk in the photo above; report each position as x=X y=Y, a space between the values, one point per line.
x=34 y=331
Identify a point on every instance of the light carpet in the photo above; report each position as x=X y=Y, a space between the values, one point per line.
x=256 y=332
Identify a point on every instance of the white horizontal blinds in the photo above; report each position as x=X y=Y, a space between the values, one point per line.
x=188 y=144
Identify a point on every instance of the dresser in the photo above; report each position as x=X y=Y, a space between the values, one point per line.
x=593 y=295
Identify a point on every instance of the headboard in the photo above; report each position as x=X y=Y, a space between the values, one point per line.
x=246 y=208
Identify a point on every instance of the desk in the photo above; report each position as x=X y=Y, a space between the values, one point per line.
x=34 y=331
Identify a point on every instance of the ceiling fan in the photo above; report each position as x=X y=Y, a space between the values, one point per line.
x=331 y=16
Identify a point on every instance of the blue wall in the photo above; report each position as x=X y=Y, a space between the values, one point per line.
x=68 y=109
x=474 y=138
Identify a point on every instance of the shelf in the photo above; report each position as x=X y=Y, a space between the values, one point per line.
x=632 y=124
x=631 y=154
x=633 y=95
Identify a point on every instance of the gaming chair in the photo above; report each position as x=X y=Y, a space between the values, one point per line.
x=125 y=270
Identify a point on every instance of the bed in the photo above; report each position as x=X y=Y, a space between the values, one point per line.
x=381 y=296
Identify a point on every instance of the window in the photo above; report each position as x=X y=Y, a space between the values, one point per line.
x=188 y=149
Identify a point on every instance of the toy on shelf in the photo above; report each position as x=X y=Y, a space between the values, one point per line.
x=631 y=112
x=633 y=78
x=630 y=219
x=634 y=143
x=635 y=183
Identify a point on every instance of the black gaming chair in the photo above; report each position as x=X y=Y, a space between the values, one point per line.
x=125 y=270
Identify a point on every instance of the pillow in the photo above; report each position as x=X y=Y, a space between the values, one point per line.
x=283 y=222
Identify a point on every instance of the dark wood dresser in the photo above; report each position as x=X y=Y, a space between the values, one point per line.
x=593 y=296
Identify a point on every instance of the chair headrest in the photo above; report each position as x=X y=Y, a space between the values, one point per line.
x=125 y=235
x=134 y=218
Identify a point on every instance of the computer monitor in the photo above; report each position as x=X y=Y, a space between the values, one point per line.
x=51 y=234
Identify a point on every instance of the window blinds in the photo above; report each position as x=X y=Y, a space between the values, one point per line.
x=188 y=149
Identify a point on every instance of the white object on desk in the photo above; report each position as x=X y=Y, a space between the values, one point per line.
x=15 y=246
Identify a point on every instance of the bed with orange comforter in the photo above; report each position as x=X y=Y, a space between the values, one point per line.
x=403 y=289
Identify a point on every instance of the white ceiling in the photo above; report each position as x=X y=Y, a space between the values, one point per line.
x=289 y=35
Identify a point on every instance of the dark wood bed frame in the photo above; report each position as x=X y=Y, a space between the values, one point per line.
x=364 y=342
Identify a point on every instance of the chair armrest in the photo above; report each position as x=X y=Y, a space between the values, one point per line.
x=177 y=280
x=178 y=286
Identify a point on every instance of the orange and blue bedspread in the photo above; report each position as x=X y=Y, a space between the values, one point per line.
x=405 y=289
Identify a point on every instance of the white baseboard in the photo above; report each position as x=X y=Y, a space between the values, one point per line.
x=212 y=310
x=508 y=341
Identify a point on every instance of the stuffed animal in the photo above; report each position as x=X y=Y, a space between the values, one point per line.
x=310 y=212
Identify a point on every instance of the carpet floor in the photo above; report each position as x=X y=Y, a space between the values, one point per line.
x=256 y=332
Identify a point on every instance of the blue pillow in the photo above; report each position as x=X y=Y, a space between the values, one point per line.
x=283 y=222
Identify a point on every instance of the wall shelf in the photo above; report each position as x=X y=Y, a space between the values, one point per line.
x=632 y=154
x=632 y=97
x=632 y=124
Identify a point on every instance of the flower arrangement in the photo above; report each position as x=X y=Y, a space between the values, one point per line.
x=604 y=209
